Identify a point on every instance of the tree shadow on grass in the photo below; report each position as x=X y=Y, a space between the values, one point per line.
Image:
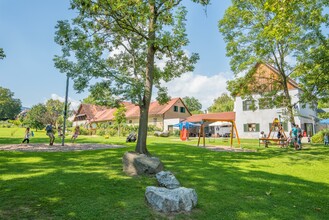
x=91 y=185
x=70 y=185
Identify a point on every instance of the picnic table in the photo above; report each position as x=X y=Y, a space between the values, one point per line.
x=280 y=141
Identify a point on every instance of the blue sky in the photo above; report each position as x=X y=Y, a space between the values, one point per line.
x=27 y=37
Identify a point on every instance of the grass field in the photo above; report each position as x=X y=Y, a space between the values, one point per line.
x=272 y=183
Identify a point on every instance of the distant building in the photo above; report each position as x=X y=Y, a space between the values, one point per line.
x=161 y=116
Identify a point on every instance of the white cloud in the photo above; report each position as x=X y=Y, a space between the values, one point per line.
x=74 y=103
x=202 y=87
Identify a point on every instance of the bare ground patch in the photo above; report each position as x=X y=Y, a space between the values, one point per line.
x=56 y=147
x=228 y=149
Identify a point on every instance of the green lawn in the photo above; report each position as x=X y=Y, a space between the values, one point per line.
x=271 y=183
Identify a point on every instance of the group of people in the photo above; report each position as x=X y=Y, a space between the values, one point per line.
x=51 y=134
x=296 y=136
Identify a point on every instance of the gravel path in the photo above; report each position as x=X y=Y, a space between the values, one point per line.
x=228 y=149
x=55 y=147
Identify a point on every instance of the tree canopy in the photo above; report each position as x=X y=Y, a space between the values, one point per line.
x=36 y=117
x=2 y=54
x=120 y=42
x=224 y=103
x=192 y=104
x=277 y=33
x=9 y=106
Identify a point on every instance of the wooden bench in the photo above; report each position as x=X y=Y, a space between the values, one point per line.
x=266 y=141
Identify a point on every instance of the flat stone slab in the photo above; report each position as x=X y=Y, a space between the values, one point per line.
x=171 y=200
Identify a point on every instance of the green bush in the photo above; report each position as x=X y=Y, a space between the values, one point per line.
x=101 y=132
x=112 y=132
x=83 y=131
x=318 y=137
x=153 y=128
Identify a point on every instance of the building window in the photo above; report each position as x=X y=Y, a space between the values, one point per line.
x=182 y=109
x=110 y=123
x=248 y=105
x=155 y=121
x=251 y=127
x=130 y=121
x=175 y=108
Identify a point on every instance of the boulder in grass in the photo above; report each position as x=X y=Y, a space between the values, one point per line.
x=171 y=200
x=139 y=164
x=167 y=179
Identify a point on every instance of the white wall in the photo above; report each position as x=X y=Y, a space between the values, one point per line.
x=168 y=122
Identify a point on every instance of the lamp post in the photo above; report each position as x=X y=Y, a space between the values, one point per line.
x=65 y=107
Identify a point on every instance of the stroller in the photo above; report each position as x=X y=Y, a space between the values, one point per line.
x=131 y=137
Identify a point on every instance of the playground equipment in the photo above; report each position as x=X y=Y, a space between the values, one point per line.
x=280 y=138
x=215 y=117
x=184 y=127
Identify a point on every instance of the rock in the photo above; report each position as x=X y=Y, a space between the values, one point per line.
x=161 y=133
x=164 y=134
x=167 y=179
x=171 y=200
x=138 y=164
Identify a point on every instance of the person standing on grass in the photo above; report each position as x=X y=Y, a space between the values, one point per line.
x=326 y=139
x=299 y=137
x=293 y=134
x=27 y=136
x=50 y=134
x=76 y=133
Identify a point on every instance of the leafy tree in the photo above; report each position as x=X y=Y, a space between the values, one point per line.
x=120 y=117
x=223 y=103
x=119 y=42
x=9 y=106
x=2 y=54
x=323 y=104
x=193 y=104
x=313 y=72
x=54 y=112
x=37 y=117
x=101 y=96
x=272 y=32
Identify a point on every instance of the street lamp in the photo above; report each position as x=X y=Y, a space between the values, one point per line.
x=65 y=107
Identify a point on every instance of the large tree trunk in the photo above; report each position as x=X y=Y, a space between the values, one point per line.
x=288 y=98
x=144 y=108
x=142 y=131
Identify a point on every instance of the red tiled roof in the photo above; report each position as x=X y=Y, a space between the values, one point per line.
x=222 y=116
x=132 y=110
x=89 y=110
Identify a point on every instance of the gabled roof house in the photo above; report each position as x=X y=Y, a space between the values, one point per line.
x=251 y=121
x=161 y=116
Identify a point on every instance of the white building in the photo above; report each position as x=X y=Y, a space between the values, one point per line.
x=251 y=122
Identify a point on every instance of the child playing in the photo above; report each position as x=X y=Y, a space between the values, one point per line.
x=76 y=133
x=27 y=136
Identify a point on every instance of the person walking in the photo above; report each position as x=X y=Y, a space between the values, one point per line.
x=50 y=134
x=299 y=137
x=293 y=134
x=27 y=136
